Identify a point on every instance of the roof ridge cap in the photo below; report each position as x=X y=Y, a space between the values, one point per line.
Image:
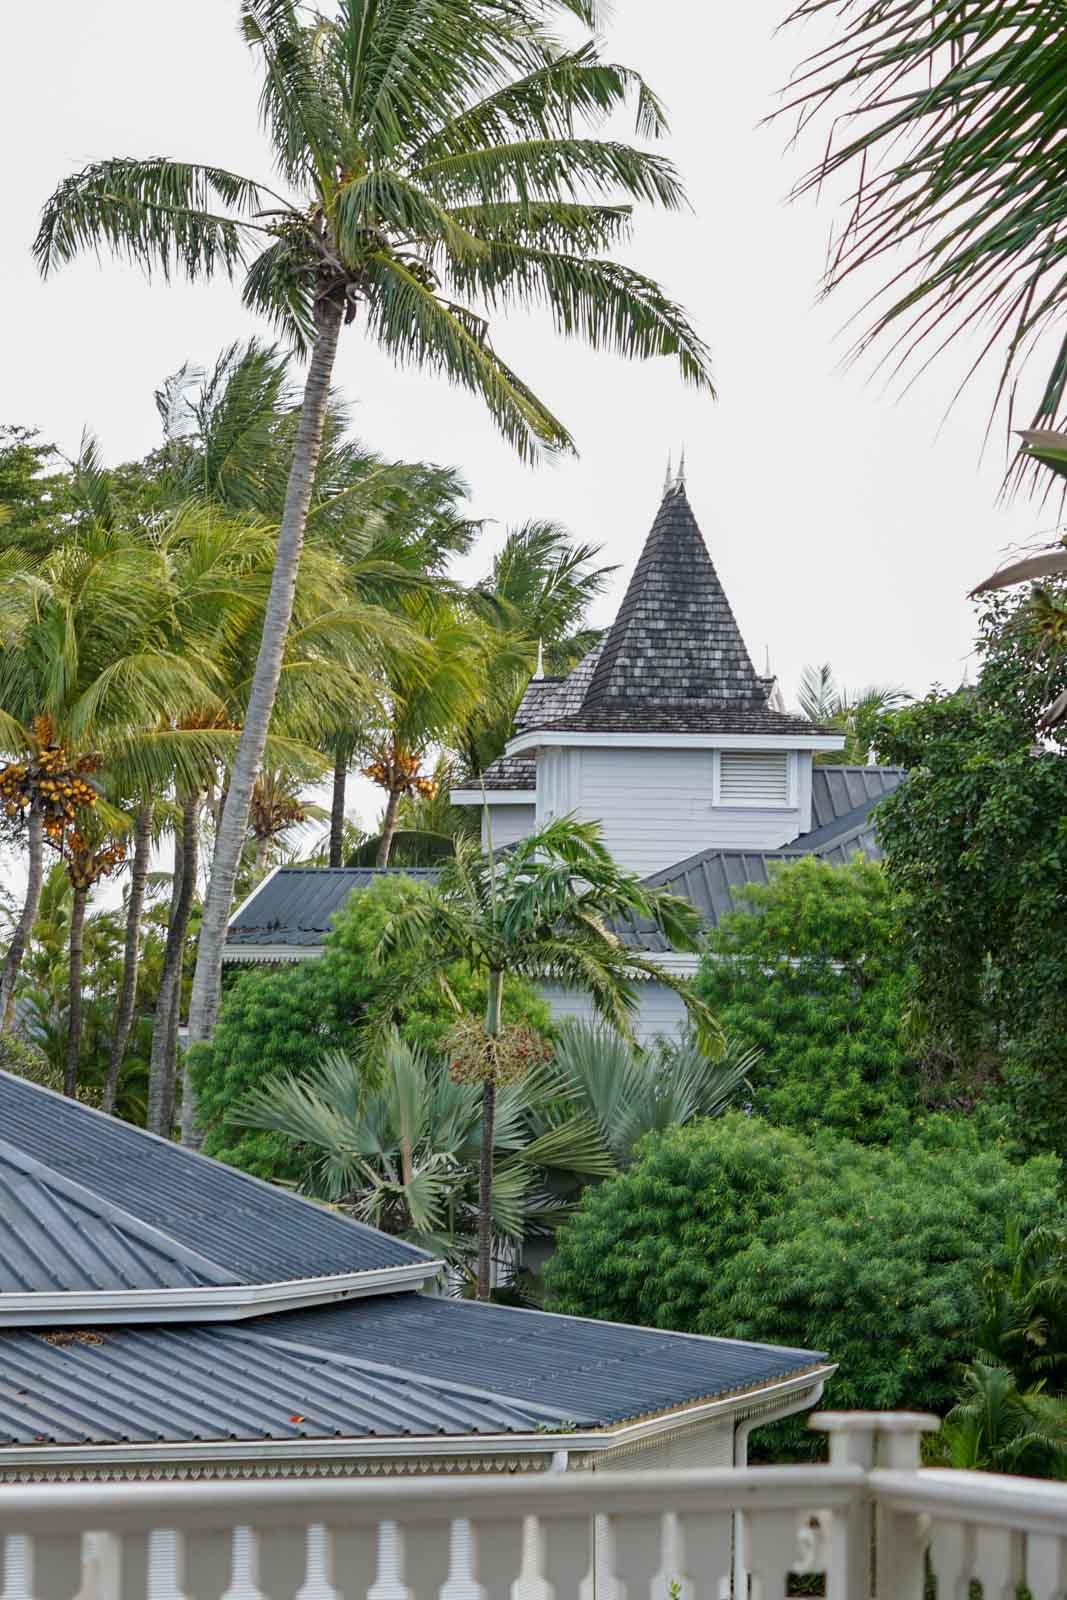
x=198 y=1155
x=111 y=1211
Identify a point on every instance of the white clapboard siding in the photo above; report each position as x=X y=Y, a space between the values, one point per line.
x=660 y=1011
x=507 y=824
x=658 y=807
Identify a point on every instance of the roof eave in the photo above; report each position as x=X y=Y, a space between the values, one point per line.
x=535 y=738
x=229 y=1303
x=494 y=797
x=224 y=1452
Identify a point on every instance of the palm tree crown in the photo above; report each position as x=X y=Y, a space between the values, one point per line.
x=431 y=175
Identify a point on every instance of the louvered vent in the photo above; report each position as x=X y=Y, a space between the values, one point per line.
x=756 y=778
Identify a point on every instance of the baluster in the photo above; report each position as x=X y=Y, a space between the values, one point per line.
x=557 y=1558
x=952 y=1559
x=1046 y=1566
x=704 y=1554
x=389 y=1584
x=435 y=1554
x=772 y=1551
x=45 y=1567
x=998 y=1562
x=628 y=1556
x=350 y=1561
x=204 y=1564
x=278 y=1561
x=496 y=1557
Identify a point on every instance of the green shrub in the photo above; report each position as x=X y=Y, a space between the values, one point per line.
x=27 y=1060
x=739 y=1229
x=281 y=1019
x=814 y=975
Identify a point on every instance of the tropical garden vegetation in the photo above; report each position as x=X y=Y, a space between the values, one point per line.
x=857 y=1148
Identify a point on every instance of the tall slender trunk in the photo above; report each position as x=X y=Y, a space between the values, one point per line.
x=74 y=1028
x=485 y=1171
x=207 y=979
x=262 y=847
x=337 y=810
x=168 y=1003
x=142 y=851
x=24 y=927
x=385 y=839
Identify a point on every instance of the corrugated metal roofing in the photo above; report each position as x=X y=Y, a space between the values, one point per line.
x=709 y=879
x=94 y=1203
x=296 y=905
x=403 y=1364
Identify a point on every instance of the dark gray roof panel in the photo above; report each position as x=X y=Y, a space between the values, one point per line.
x=399 y=1365
x=838 y=790
x=508 y=772
x=116 y=1204
x=296 y=905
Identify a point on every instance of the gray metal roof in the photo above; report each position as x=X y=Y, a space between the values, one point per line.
x=403 y=1364
x=709 y=880
x=92 y=1204
x=296 y=905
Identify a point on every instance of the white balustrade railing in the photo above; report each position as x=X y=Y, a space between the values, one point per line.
x=699 y=1535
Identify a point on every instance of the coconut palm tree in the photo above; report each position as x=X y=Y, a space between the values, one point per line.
x=544 y=909
x=854 y=713
x=430 y=176
x=536 y=599
x=946 y=124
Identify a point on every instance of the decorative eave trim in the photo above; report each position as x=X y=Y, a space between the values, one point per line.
x=537 y=739
x=430 y=1452
x=494 y=797
x=229 y=1303
x=273 y=952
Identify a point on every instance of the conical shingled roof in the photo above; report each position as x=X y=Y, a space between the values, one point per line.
x=674 y=659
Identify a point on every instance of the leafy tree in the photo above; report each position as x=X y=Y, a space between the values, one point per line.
x=975 y=842
x=542 y=909
x=813 y=975
x=946 y=125
x=32 y=499
x=279 y=1021
x=741 y=1230
x=430 y=169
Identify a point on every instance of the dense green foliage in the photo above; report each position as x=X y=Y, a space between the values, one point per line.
x=280 y=1020
x=743 y=1230
x=813 y=973
x=977 y=842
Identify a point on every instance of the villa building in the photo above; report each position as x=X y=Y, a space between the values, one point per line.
x=667 y=736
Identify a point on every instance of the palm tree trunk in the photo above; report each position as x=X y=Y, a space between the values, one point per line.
x=262 y=847
x=385 y=840
x=24 y=927
x=337 y=811
x=74 y=1030
x=485 y=1173
x=168 y=1003
x=207 y=979
x=142 y=851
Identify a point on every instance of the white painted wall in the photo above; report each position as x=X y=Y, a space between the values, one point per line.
x=660 y=1010
x=507 y=824
x=657 y=806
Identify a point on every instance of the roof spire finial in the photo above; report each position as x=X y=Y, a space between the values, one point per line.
x=767 y=673
x=539 y=670
x=679 y=482
x=668 y=482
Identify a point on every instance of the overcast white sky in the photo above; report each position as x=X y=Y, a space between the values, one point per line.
x=845 y=525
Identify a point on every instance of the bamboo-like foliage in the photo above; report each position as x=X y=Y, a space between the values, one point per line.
x=947 y=118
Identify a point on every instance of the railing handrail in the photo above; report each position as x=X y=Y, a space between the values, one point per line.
x=1028 y=1505
x=359 y=1501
